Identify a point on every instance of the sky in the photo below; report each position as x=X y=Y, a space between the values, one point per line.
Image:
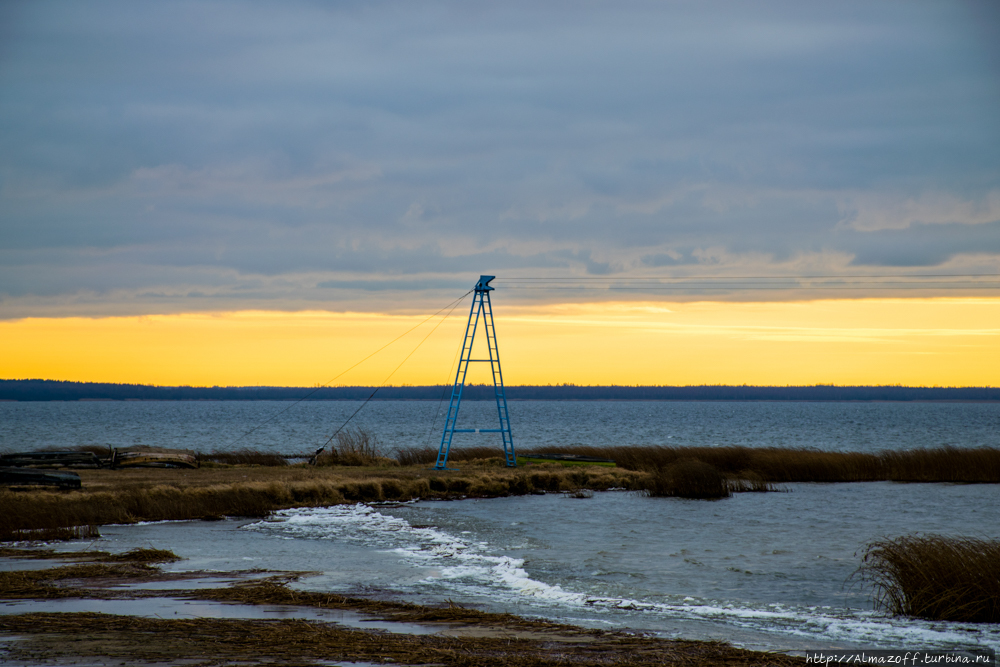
x=266 y=192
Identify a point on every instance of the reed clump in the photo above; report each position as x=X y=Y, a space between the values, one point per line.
x=689 y=478
x=934 y=577
x=781 y=465
x=355 y=447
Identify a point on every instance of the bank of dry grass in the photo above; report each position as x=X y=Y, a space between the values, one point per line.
x=934 y=577
x=129 y=496
x=257 y=489
x=779 y=465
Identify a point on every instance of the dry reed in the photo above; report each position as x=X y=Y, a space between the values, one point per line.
x=42 y=584
x=779 y=465
x=59 y=638
x=273 y=490
x=935 y=577
x=246 y=457
x=689 y=478
x=255 y=491
x=355 y=447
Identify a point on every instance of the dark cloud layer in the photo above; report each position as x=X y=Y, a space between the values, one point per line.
x=172 y=156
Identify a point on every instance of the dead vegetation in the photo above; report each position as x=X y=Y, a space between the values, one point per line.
x=778 y=465
x=689 y=478
x=934 y=577
x=208 y=641
x=357 y=470
x=244 y=457
x=129 y=496
x=45 y=584
x=356 y=447
x=491 y=639
x=275 y=591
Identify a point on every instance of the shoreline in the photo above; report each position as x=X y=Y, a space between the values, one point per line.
x=403 y=633
x=255 y=484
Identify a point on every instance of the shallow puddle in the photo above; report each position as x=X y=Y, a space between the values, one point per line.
x=173 y=608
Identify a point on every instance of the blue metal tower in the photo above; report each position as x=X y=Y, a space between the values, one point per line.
x=481 y=308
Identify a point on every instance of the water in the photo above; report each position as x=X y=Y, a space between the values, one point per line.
x=220 y=425
x=769 y=571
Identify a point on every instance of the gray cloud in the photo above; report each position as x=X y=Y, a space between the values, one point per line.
x=248 y=153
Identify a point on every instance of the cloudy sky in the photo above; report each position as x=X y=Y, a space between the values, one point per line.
x=162 y=157
x=371 y=159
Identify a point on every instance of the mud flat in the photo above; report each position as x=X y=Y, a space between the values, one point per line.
x=318 y=628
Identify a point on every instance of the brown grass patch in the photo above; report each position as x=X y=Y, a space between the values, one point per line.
x=128 y=496
x=689 y=478
x=42 y=584
x=934 y=577
x=779 y=465
x=59 y=637
x=244 y=457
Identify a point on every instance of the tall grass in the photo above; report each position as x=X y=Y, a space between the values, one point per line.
x=355 y=447
x=26 y=513
x=779 y=465
x=689 y=478
x=934 y=577
x=245 y=457
x=421 y=456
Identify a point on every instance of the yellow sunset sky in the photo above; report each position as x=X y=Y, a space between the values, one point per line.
x=916 y=341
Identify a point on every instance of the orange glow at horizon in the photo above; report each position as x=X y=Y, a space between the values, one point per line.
x=924 y=342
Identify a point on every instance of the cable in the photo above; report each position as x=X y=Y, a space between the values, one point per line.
x=444 y=392
x=923 y=281
x=745 y=287
x=451 y=305
x=725 y=277
x=312 y=460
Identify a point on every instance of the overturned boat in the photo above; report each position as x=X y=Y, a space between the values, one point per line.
x=153 y=457
x=29 y=477
x=46 y=459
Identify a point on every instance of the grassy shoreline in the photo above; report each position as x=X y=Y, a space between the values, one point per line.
x=459 y=637
x=245 y=489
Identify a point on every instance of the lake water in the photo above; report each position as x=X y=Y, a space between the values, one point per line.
x=766 y=571
x=284 y=427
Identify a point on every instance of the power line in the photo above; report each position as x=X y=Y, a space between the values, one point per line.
x=454 y=305
x=451 y=305
x=754 y=287
x=731 y=277
x=858 y=282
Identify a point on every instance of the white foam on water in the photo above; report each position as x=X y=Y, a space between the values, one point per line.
x=464 y=566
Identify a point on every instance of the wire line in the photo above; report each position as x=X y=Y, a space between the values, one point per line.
x=451 y=305
x=372 y=395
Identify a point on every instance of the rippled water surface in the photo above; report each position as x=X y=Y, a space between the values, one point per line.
x=761 y=570
x=771 y=571
x=282 y=427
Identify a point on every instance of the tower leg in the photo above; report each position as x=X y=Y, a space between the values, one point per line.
x=481 y=308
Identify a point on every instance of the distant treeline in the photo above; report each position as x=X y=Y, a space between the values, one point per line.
x=51 y=390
